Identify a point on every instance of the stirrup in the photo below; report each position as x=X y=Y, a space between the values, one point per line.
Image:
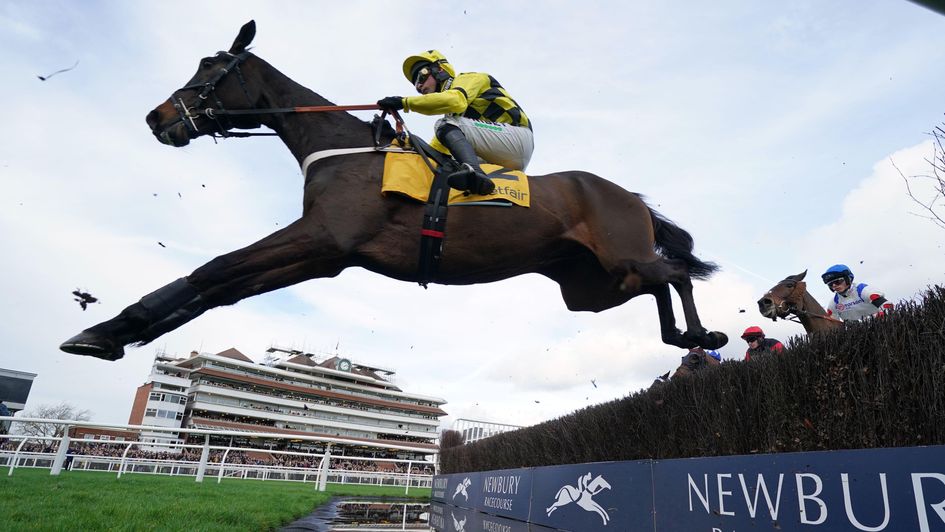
x=470 y=180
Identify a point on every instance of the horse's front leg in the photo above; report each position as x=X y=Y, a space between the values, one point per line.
x=107 y=339
x=286 y=257
x=655 y=278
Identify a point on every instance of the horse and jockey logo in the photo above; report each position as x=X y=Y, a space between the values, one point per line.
x=461 y=488
x=458 y=526
x=583 y=495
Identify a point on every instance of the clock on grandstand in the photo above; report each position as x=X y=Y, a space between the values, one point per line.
x=343 y=364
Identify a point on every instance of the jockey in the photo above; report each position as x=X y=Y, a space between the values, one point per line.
x=481 y=118
x=852 y=302
x=758 y=344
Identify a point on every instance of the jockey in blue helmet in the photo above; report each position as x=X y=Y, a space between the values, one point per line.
x=852 y=302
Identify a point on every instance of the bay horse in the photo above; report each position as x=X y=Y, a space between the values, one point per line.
x=693 y=361
x=790 y=298
x=602 y=244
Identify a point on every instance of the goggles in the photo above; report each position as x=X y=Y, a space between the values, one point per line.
x=836 y=282
x=750 y=339
x=422 y=76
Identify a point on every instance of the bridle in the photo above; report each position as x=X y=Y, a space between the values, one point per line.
x=207 y=91
x=217 y=112
x=795 y=309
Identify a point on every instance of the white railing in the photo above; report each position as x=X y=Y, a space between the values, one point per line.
x=321 y=474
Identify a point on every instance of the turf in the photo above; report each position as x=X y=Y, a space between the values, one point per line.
x=32 y=499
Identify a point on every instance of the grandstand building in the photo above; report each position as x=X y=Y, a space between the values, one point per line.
x=344 y=401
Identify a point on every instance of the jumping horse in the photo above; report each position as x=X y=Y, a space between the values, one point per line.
x=601 y=244
x=694 y=361
x=790 y=298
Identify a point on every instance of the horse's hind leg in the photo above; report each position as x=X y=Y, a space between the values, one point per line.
x=656 y=277
x=664 y=307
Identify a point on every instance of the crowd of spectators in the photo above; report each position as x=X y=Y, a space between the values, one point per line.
x=262 y=458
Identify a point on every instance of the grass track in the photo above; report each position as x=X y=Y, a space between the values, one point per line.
x=32 y=499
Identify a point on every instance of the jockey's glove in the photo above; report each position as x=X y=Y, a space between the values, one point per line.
x=391 y=103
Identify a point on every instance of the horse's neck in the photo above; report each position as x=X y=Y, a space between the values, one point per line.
x=306 y=133
x=812 y=308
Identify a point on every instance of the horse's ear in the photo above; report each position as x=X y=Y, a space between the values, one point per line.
x=247 y=32
x=798 y=277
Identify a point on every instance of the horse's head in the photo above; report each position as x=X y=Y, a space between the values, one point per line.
x=785 y=298
x=218 y=84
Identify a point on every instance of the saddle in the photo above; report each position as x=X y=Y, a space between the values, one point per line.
x=425 y=174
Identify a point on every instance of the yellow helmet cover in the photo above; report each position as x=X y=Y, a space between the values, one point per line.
x=430 y=56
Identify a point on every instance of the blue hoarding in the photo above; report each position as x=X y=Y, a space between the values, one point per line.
x=591 y=497
x=457 y=490
x=867 y=490
x=506 y=493
x=871 y=490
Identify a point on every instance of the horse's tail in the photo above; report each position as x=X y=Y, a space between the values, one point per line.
x=674 y=242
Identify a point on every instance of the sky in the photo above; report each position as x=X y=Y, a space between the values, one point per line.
x=777 y=134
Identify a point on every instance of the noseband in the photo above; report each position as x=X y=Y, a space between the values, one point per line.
x=208 y=95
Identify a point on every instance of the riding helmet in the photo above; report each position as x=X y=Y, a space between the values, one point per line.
x=754 y=330
x=414 y=63
x=837 y=271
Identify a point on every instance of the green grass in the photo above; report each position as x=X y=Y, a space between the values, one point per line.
x=32 y=499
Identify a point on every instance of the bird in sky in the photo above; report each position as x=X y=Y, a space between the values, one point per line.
x=47 y=76
x=83 y=298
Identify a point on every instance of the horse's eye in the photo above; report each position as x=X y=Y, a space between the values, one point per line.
x=790 y=285
x=206 y=64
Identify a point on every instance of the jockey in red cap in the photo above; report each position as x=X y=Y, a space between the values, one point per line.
x=758 y=344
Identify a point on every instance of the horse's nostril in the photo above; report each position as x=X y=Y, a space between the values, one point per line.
x=152 y=119
x=766 y=302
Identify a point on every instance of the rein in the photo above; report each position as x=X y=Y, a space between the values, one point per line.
x=217 y=112
x=208 y=88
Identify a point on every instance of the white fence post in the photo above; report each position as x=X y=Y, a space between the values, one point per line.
x=124 y=455
x=223 y=461
x=406 y=491
x=326 y=462
x=204 y=456
x=16 y=456
x=61 y=452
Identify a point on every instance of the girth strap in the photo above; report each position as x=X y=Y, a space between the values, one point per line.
x=434 y=227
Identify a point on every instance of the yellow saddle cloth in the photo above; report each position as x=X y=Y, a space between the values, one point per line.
x=407 y=174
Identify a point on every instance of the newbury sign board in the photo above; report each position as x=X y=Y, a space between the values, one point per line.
x=871 y=490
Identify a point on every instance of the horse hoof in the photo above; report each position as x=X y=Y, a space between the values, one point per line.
x=93 y=345
x=714 y=340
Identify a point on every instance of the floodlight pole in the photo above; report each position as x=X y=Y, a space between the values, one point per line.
x=61 y=452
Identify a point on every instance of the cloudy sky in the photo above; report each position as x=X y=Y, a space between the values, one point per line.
x=771 y=131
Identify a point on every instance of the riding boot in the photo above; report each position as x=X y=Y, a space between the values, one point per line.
x=474 y=181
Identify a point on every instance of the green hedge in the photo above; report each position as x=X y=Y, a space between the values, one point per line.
x=878 y=383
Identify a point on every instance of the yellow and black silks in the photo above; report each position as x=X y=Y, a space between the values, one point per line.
x=406 y=173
